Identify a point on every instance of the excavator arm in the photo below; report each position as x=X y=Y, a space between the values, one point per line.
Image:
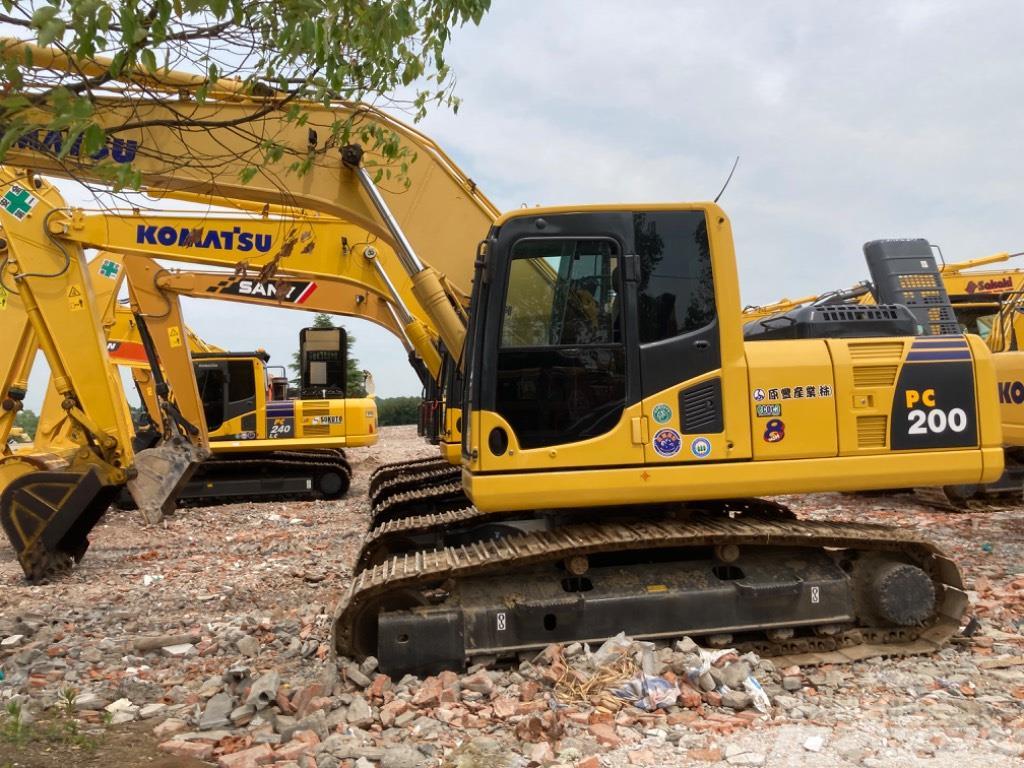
x=441 y=210
x=360 y=275
x=49 y=500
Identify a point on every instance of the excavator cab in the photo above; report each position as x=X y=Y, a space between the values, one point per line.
x=578 y=317
x=230 y=386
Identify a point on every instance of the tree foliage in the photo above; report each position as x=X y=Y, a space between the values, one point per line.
x=27 y=420
x=392 y=411
x=287 y=52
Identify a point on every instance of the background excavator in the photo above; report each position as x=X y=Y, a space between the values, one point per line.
x=986 y=302
x=335 y=267
x=264 y=443
x=616 y=423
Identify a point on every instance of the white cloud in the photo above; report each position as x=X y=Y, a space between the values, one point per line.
x=854 y=121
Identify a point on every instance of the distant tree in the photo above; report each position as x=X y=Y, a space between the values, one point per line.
x=393 y=411
x=27 y=420
x=354 y=374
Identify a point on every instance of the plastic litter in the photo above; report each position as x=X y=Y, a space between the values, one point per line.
x=762 y=703
x=615 y=648
x=648 y=692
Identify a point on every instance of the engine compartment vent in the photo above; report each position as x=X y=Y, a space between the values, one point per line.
x=872 y=431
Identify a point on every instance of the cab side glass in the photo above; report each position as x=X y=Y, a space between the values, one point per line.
x=676 y=294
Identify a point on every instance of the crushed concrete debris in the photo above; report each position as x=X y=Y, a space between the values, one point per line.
x=225 y=659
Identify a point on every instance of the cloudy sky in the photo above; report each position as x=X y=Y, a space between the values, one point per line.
x=853 y=121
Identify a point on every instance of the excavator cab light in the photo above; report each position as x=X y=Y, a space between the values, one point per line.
x=352 y=155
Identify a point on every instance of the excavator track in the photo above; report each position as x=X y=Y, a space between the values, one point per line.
x=456 y=520
x=279 y=475
x=439 y=496
x=431 y=609
x=396 y=468
x=324 y=474
x=412 y=481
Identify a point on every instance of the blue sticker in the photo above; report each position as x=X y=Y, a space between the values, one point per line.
x=701 y=447
x=774 y=431
x=661 y=413
x=759 y=395
x=667 y=442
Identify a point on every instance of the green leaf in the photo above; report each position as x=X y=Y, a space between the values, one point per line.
x=148 y=60
x=12 y=103
x=14 y=132
x=50 y=31
x=93 y=139
x=81 y=108
x=43 y=15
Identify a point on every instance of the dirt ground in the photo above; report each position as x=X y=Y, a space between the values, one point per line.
x=254 y=586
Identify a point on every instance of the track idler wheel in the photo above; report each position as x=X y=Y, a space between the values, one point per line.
x=333 y=483
x=48 y=516
x=902 y=594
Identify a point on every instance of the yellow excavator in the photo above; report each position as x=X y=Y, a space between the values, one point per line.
x=264 y=443
x=985 y=302
x=617 y=426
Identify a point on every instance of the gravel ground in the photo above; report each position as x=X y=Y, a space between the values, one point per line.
x=155 y=651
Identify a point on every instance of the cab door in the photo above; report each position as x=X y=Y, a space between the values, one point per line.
x=561 y=388
x=687 y=373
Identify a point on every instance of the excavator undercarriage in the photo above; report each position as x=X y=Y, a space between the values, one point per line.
x=745 y=574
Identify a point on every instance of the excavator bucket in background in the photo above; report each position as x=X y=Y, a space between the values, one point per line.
x=161 y=473
x=48 y=515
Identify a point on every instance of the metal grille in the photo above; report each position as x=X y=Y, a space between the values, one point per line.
x=905 y=272
x=876 y=349
x=874 y=375
x=700 y=408
x=871 y=431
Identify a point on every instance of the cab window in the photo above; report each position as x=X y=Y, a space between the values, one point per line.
x=561 y=366
x=676 y=293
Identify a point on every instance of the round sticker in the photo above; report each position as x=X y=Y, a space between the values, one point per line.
x=774 y=431
x=667 y=442
x=661 y=413
x=701 y=447
x=759 y=395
